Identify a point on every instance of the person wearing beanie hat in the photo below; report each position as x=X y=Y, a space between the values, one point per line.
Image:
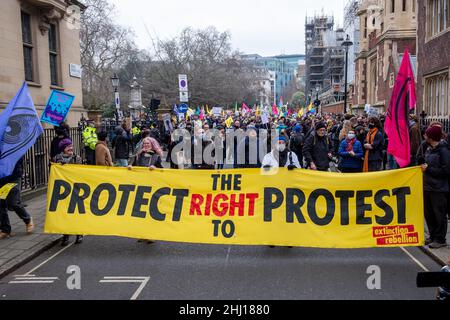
x=318 y=150
x=434 y=133
x=282 y=157
x=67 y=156
x=63 y=144
x=436 y=174
x=297 y=142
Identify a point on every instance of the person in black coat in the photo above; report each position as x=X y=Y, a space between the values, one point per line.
x=13 y=203
x=121 y=144
x=373 y=159
x=318 y=149
x=436 y=174
x=297 y=142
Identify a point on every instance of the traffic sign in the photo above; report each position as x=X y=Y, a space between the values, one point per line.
x=183 y=108
x=184 y=96
x=183 y=82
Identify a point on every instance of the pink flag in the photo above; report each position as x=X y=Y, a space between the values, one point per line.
x=397 y=121
x=244 y=107
x=274 y=110
x=202 y=114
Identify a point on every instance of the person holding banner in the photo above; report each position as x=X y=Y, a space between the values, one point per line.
x=67 y=156
x=350 y=153
x=147 y=156
x=436 y=174
x=13 y=203
x=284 y=159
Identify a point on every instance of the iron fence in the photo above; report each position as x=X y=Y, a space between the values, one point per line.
x=36 y=165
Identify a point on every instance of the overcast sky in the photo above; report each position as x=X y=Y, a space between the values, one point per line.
x=266 y=27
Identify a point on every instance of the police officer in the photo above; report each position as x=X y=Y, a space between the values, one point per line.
x=90 y=141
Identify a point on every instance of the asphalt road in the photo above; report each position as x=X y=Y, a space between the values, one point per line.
x=209 y=272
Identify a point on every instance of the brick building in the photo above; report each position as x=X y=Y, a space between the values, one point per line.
x=433 y=39
x=387 y=28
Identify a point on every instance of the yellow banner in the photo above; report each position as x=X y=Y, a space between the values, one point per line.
x=246 y=207
x=6 y=189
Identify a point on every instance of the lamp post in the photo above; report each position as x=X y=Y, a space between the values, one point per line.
x=347 y=43
x=115 y=83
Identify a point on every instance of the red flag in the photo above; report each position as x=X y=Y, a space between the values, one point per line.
x=397 y=121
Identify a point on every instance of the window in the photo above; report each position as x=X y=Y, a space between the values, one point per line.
x=437 y=95
x=365 y=27
x=392 y=6
x=27 y=41
x=53 y=52
x=404 y=5
x=438 y=19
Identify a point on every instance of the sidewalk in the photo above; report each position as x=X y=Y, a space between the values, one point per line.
x=21 y=248
x=18 y=250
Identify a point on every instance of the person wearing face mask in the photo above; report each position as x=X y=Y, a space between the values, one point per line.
x=282 y=158
x=318 y=149
x=350 y=153
x=436 y=174
x=374 y=147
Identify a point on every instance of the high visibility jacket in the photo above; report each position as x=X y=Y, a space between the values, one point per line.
x=90 y=137
x=135 y=131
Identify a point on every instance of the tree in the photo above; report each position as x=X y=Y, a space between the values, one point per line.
x=105 y=46
x=299 y=99
x=216 y=74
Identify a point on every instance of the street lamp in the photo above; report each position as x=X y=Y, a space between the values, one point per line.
x=115 y=84
x=347 y=43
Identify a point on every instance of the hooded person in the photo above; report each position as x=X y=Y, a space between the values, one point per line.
x=282 y=157
x=297 y=142
x=121 y=145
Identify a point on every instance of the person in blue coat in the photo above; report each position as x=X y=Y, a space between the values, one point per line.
x=351 y=154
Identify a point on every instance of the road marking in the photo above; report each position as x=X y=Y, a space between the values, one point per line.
x=53 y=256
x=228 y=255
x=415 y=260
x=32 y=280
x=142 y=280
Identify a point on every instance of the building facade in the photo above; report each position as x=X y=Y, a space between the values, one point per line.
x=433 y=40
x=387 y=28
x=280 y=73
x=40 y=44
x=325 y=61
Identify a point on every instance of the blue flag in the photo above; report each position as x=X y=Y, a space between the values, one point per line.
x=175 y=109
x=19 y=129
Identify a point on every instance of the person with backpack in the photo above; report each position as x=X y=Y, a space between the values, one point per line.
x=318 y=149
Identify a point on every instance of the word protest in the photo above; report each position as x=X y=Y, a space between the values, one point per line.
x=241 y=207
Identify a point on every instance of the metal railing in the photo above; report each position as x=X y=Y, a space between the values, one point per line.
x=36 y=165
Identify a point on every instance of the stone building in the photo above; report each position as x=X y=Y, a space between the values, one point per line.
x=387 y=28
x=40 y=44
x=433 y=41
